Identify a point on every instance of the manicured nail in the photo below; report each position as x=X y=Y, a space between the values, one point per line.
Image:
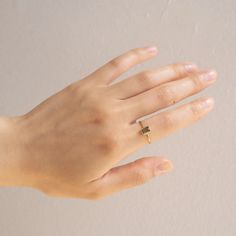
x=152 y=49
x=163 y=167
x=190 y=67
x=208 y=77
x=207 y=103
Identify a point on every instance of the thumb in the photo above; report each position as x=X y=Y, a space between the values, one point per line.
x=132 y=174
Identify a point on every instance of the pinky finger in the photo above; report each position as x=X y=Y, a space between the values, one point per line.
x=130 y=175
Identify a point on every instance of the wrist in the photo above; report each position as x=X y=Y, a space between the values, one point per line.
x=10 y=152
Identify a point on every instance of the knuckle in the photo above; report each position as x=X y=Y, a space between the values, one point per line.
x=166 y=95
x=195 y=110
x=146 y=77
x=120 y=62
x=78 y=87
x=100 y=115
x=177 y=70
x=167 y=121
x=108 y=143
x=196 y=82
x=116 y=63
x=140 y=177
x=136 y=52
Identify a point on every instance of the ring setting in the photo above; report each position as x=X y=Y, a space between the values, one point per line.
x=145 y=131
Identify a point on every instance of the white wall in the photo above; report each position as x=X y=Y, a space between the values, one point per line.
x=45 y=45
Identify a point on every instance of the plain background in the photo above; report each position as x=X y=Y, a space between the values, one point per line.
x=46 y=45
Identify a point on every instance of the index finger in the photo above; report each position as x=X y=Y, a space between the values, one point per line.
x=117 y=66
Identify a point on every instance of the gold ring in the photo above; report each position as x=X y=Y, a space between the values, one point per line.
x=145 y=131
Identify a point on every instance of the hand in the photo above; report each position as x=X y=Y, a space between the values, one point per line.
x=70 y=142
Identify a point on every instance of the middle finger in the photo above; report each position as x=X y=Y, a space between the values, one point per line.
x=151 y=78
x=167 y=94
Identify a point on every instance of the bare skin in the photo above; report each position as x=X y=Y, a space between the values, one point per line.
x=69 y=144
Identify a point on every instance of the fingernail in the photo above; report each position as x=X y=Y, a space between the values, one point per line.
x=190 y=67
x=151 y=49
x=163 y=167
x=207 y=103
x=208 y=77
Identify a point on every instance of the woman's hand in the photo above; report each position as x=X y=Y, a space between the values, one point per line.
x=68 y=145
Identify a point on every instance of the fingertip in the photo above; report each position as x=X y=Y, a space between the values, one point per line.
x=151 y=49
x=164 y=166
x=206 y=103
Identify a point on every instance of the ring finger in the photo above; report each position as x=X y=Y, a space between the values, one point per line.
x=170 y=121
x=167 y=94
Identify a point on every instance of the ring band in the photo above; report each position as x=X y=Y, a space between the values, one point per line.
x=145 y=131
